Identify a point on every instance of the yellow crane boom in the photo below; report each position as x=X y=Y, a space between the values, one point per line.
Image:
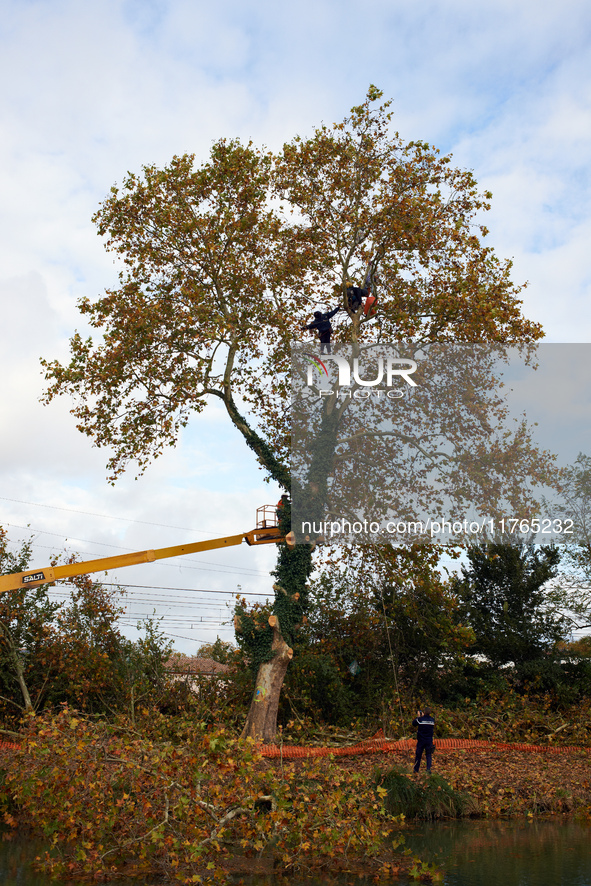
x=267 y=532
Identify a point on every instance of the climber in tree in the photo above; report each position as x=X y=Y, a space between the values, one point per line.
x=357 y=294
x=355 y=297
x=321 y=323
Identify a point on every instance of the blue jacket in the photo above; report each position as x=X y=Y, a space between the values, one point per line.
x=425 y=727
x=323 y=325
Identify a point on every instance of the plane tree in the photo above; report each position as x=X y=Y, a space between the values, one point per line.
x=221 y=265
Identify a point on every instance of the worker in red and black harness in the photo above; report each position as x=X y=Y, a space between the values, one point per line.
x=360 y=297
x=283 y=517
x=425 y=726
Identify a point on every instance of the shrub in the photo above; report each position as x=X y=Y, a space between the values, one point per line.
x=315 y=686
x=427 y=798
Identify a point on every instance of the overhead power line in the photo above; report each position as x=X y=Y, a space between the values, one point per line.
x=241 y=593
x=192 y=639
x=87 y=541
x=188 y=605
x=37 y=504
x=174 y=619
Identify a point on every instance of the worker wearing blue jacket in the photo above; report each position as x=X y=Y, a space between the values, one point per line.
x=425 y=726
x=322 y=325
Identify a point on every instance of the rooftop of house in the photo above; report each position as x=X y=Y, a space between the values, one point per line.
x=195 y=664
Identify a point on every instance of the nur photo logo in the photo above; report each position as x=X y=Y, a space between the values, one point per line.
x=386 y=372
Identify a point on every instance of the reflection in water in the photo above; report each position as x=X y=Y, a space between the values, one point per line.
x=472 y=853
x=506 y=853
x=16 y=857
x=16 y=866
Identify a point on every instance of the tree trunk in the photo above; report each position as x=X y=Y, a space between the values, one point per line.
x=23 y=686
x=20 y=675
x=261 y=723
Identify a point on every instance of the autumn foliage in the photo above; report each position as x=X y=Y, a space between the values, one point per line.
x=109 y=801
x=72 y=652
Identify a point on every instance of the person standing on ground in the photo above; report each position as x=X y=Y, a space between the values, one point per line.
x=425 y=726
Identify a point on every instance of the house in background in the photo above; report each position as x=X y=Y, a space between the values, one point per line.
x=191 y=669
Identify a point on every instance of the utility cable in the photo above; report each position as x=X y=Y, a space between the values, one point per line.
x=191 y=590
x=105 y=516
x=192 y=639
x=164 y=588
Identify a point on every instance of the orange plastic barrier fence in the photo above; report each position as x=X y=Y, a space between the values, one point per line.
x=383 y=746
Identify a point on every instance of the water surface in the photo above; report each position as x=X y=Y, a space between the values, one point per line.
x=553 y=852
x=519 y=852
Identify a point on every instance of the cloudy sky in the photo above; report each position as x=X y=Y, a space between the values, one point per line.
x=92 y=90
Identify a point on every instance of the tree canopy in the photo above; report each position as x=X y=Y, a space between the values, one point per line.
x=222 y=263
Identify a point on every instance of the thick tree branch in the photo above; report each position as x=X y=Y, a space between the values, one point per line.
x=262 y=450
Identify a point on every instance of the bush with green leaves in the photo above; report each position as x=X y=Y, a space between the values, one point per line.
x=315 y=687
x=507 y=599
x=427 y=797
x=72 y=652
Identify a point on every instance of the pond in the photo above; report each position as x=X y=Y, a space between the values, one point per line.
x=541 y=852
